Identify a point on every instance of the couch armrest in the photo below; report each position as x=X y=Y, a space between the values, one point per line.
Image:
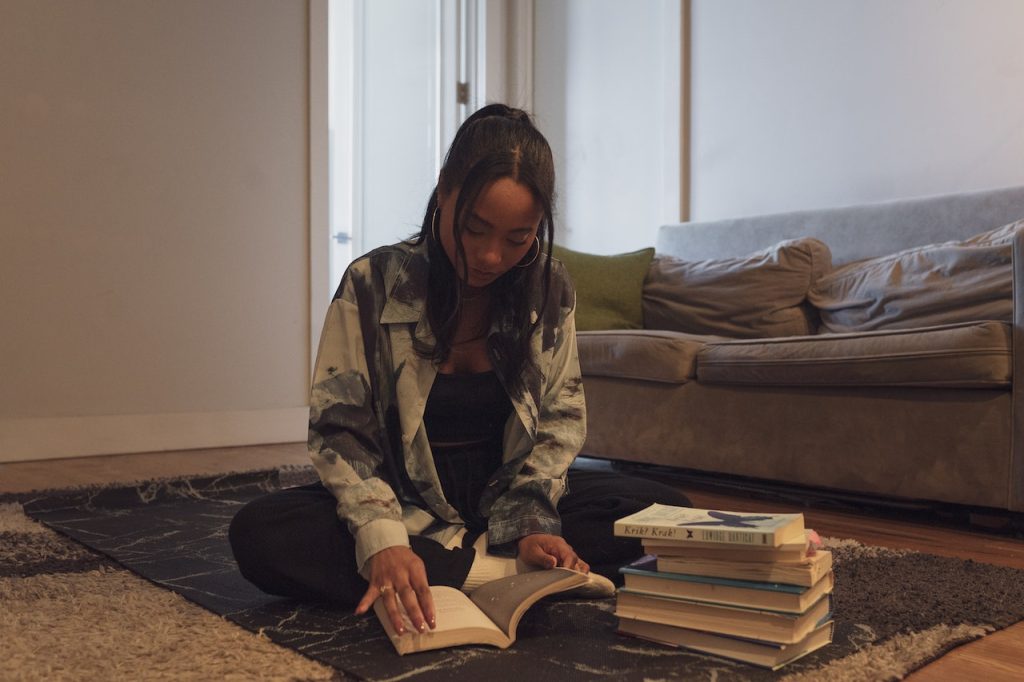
x=1016 y=492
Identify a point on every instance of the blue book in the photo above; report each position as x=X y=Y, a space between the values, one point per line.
x=642 y=577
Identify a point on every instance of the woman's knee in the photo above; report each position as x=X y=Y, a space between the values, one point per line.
x=671 y=496
x=252 y=541
x=606 y=488
x=240 y=530
x=651 y=491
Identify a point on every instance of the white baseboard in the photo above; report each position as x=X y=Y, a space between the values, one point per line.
x=59 y=437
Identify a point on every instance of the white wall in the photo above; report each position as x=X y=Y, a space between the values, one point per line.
x=154 y=218
x=607 y=97
x=804 y=104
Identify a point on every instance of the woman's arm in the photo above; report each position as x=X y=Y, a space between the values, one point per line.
x=346 y=443
x=347 y=447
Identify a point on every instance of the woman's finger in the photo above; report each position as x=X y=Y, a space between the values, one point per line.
x=538 y=556
x=426 y=600
x=566 y=556
x=410 y=600
x=368 y=598
x=390 y=597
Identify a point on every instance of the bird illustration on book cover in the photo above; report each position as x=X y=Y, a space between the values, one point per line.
x=729 y=520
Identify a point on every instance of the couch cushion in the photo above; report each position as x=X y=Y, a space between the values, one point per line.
x=967 y=355
x=945 y=283
x=652 y=355
x=608 y=288
x=756 y=296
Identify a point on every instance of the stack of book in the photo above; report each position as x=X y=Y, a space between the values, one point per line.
x=748 y=587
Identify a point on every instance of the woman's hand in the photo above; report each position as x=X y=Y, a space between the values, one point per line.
x=396 y=573
x=549 y=551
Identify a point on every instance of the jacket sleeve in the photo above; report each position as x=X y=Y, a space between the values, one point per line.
x=345 y=438
x=530 y=504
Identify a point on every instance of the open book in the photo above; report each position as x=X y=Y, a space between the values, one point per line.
x=488 y=615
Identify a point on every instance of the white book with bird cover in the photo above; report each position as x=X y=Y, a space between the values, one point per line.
x=684 y=524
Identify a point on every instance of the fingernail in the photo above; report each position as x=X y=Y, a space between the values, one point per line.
x=433 y=622
x=400 y=630
x=423 y=627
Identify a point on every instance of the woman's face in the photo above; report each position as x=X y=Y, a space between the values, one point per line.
x=497 y=233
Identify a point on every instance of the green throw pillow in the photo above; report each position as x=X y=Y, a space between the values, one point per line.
x=609 y=289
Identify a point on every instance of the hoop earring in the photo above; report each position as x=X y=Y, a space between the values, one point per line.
x=533 y=260
x=433 y=224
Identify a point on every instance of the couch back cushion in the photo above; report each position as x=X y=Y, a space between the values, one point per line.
x=946 y=283
x=608 y=288
x=755 y=296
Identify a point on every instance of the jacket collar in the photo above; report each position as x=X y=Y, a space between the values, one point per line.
x=407 y=291
x=406 y=304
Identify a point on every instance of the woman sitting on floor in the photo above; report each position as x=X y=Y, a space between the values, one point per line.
x=447 y=406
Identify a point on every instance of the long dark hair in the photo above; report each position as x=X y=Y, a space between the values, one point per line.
x=495 y=142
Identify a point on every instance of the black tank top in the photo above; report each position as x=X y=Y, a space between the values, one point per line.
x=465 y=419
x=466 y=408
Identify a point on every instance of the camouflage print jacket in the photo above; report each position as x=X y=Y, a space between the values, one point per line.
x=366 y=434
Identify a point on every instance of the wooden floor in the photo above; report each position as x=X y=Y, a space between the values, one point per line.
x=995 y=658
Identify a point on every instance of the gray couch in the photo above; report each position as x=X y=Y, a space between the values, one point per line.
x=897 y=410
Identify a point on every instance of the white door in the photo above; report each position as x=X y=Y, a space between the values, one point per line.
x=395 y=102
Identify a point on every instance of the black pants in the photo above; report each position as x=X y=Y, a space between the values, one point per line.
x=291 y=542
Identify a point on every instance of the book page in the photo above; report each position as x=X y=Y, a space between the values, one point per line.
x=504 y=601
x=459 y=621
x=455 y=611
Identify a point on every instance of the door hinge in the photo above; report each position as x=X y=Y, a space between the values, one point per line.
x=462 y=93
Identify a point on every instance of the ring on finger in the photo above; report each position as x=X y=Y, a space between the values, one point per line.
x=384 y=589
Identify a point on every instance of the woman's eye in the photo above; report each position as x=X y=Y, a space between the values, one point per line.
x=521 y=242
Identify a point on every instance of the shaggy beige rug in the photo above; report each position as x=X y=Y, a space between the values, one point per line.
x=68 y=614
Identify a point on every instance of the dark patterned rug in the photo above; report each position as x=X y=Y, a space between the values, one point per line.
x=895 y=610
